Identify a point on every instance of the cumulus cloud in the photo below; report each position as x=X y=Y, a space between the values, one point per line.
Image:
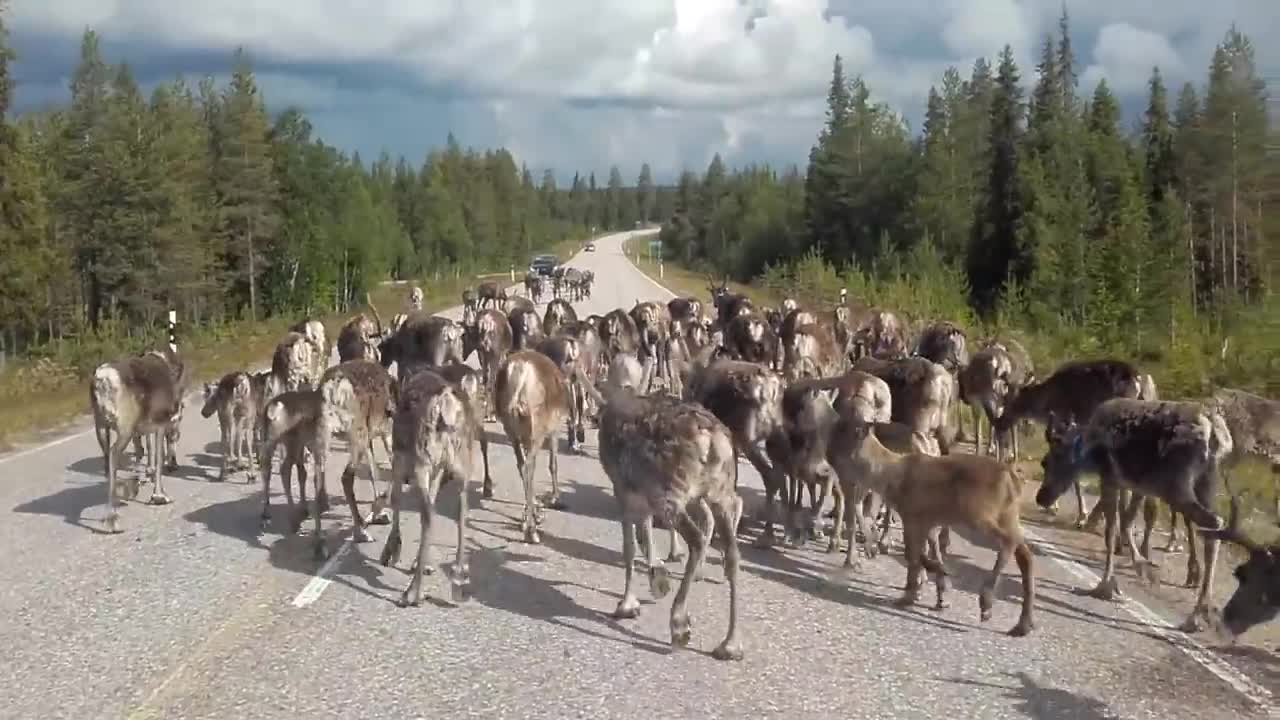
x=590 y=83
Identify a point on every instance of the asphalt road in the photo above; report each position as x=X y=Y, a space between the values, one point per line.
x=193 y=612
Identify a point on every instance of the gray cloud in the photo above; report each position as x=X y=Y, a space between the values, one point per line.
x=583 y=84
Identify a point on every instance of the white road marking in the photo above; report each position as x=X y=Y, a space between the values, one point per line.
x=321 y=582
x=1183 y=641
x=1193 y=648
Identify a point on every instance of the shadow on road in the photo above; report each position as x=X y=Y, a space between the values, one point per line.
x=1036 y=700
x=496 y=584
x=70 y=504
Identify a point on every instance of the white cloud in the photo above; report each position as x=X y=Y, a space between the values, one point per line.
x=589 y=83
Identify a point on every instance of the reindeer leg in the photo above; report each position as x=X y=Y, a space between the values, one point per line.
x=111 y=453
x=629 y=605
x=318 y=454
x=391 y=549
x=424 y=488
x=264 y=467
x=1173 y=545
x=158 y=496
x=379 y=513
x=553 y=500
x=528 y=522
x=726 y=514
x=359 y=533
x=913 y=541
x=837 y=527
x=1107 y=588
x=1193 y=555
x=487 y=489
x=1150 y=513
x=697 y=535
x=1083 y=514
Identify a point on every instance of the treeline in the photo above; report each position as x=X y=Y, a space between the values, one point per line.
x=118 y=207
x=1042 y=208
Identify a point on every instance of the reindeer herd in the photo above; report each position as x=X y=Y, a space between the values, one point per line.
x=836 y=401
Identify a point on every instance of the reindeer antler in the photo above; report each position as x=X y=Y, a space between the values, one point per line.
x=376 y=318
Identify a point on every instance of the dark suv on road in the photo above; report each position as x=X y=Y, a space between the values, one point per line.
x=544 y=264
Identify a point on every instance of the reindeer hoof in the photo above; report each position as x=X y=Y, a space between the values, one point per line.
x=361 y=535
x=1022 y=629
x=659 y=582
x=882 y=547
x=320 y=551
x=113 y=523
x=765 y=541
x=1195 y=622
x=941 y=605
x=681 y=631
x=726 y=651
x=532 y=537
x=158 y=499
x=905 y=601
x=379 y=517
x=487 y=491
x=405 y=602
x=628 y=609
x=1106 y=590
x=554 y=503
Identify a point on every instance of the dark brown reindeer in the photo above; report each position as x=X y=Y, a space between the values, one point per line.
x=1256 y=599
x=423 y=340
x=749 y=338
x=360 y=337
x=618 y=332
x=1168 y=450
x=813 y=353
x=559 y=313
x=526 y=329
x=489 y=294
x=563 y=350
x=434 y=435
x=674 y=460
x=1071 y=393
x=136 y=396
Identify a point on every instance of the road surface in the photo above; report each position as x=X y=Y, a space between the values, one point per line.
x=193 y=612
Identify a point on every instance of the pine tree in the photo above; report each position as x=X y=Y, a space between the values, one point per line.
x=244 y=181
x=647 y=196
x=994 y=256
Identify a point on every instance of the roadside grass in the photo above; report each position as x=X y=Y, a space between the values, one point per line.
x=44 y=396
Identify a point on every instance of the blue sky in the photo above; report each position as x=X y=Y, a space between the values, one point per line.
x=585 y=84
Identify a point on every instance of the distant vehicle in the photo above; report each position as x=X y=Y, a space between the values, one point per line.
x=591 y=247
x=544 y=264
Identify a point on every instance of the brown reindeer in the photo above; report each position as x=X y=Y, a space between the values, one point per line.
x=423 y=341
x=137 y=395
x=489 y=294
x=653 y=325
x=434 y=436
x=929 y=492
x=488 y=335
x=236 y=399
x=559 y=313
x=532 y=399
x=526 y=329
x=291 y=420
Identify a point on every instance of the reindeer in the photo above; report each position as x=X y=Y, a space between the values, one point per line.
x=533 y=286
x=809 y=412
x=987 y=383
x=618 y=332
x=137 y=395
x=236 y=399
x=293 y=364
x=292 y=419
x=1072 y=392
x=434 y=436
x=921 y=392
x=1169 y=450
x=653 y=325
x=516 y=302
x=558 y=314
x=313 y=330
x=931 y=492
x=674 y=460
x=946 y=344
x=488 y=335
x=359 y=338
x=532 y=398
x=747 y=398
x=423 y=340
x=563 y=350
x=1256 y=598
x=590 y=353
x=358 y=398
x=526 y=329
x=472 y=384
x=748 y=337
x=1254 y=422
x=813 y=353
x=685 y=310
x=490 y=293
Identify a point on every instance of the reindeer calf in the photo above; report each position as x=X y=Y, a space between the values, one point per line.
x=237 y=399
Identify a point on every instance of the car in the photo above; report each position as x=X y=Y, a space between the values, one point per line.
x=544 y=264
x=591 y=247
